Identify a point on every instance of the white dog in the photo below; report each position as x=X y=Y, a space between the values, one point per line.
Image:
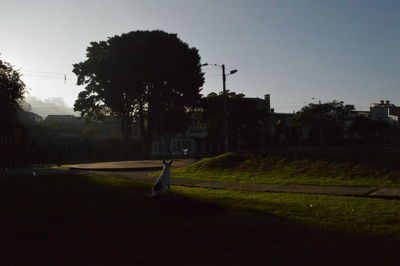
x=163 y=181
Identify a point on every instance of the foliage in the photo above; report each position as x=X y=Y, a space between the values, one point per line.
x=12 y=89
x=245 y=117
x=326 y=119
x=62 y=142
x=138 y=76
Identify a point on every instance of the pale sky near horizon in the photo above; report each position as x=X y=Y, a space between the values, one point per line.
x=293 y=50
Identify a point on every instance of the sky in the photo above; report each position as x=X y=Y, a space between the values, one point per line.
x=299 y=52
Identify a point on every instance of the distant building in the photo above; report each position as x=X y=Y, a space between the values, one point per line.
x=385 y=112
x=279 y=125
x=28 y=117
x=361 y=113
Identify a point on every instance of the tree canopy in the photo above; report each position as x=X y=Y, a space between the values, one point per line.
x=12 y=89
x=245 y=117
x=137 y=76
x=325 y=119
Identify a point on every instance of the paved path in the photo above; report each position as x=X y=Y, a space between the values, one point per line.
x=140 y=170
x=386 y=193
x=144 y=165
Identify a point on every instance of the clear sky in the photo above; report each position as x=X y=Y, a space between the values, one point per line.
x=293 y=50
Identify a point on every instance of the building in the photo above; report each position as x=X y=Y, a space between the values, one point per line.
x=385 y=112
x=28 y=117
x=187 y=143
x=280 y=128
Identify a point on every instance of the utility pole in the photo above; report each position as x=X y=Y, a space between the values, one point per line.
x=225 y=114
x=225 y=96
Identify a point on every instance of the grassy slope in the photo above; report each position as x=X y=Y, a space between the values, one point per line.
x=87 y=220
x=335 y=167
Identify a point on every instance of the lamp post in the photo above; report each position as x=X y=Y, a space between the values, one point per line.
x=225 y=112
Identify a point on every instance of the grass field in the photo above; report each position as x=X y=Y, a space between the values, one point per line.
x=66 y=219
x=370 y=167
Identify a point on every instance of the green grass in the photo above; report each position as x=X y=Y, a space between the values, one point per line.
x=370 y=167
x=69 y=219
x=331 y=213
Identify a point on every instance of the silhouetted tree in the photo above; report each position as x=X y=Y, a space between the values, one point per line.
x=326 y=120
x=12 y=91
x=138 y=76
x=245 y=118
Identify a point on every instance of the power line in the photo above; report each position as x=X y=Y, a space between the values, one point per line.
x=47 y=72
x=49 y=77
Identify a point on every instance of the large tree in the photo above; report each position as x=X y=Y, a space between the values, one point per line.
x=137 y=76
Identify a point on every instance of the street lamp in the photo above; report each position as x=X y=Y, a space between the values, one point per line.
x=225 y=114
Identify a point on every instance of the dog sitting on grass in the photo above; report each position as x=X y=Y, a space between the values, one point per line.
x=163 y=181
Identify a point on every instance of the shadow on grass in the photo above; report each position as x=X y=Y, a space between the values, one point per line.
x=85 y=220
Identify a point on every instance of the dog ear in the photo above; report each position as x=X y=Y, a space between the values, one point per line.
x=164 y=162
x=170 y=162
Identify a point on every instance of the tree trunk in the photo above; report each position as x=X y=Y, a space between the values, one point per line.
x=145 y=132
x=148 y=139
x=126 y=128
